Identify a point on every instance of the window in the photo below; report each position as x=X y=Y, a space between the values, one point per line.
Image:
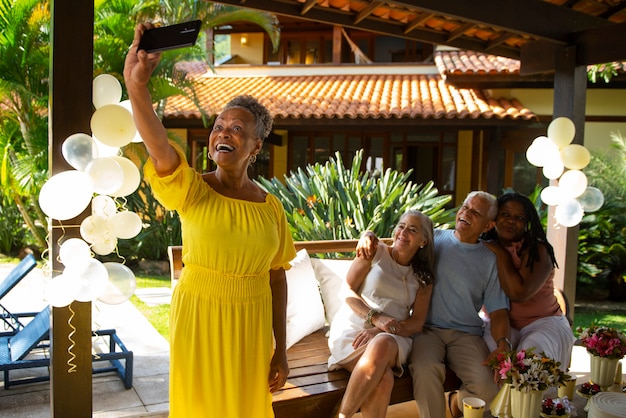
x=319 y=146
x=430 y=156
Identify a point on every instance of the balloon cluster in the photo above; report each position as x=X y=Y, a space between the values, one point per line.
x=555 y=153
x=100 y=174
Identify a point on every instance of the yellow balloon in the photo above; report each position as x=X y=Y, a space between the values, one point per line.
x=561 y=131
x=113 y=125
x=131 y=178
x=575 y=156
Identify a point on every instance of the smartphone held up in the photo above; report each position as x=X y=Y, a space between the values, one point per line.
x=165 y=38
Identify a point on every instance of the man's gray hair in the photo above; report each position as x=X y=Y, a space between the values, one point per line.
x=493 y=202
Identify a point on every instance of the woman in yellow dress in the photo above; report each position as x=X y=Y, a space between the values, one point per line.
x=229 y=306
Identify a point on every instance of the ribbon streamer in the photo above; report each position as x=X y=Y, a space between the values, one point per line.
x=71 y=365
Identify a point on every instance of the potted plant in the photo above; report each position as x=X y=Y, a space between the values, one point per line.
x=606 y=346
x=528 y=375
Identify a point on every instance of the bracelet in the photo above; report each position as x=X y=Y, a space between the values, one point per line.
x=370 y=316
x=505 y=340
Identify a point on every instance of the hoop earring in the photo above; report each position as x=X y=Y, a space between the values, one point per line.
x=252 y=159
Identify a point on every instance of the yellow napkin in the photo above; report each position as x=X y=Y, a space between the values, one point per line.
x=501 y=405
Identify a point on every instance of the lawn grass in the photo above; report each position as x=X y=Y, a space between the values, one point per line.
x=586 y=317
x=158 y=315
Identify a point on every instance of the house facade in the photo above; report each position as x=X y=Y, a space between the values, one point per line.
x=460 y=118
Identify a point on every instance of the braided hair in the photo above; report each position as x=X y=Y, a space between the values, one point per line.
x=534 y=234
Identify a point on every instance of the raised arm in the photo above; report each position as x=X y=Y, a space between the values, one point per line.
x=367 y=245
x=138 y=68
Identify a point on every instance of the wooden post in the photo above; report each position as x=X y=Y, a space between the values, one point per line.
x=570 y=89
x=337 y=41
x=70 y=110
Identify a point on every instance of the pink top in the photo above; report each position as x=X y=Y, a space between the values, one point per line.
x=541 y=305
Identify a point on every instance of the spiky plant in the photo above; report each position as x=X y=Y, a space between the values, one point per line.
x=330 y=201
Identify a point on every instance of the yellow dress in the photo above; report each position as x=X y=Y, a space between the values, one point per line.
x=221 y=339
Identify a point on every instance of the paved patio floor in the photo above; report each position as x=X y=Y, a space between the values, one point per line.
x=149 y=395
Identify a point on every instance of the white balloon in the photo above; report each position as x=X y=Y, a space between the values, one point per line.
x=103 y=205
x=113 y=125
x=573 y=183
x=541 y=151
x=126 y=225
x=591 y=200
x=551 y=195
x=78 y=150
x=131 y=177
x=553 y=169
x=126 y=103
x=62 y=290
x=93 y=280
x=569 y=213
x=120 y=286
x=95 y=228
x=66 y=195
x=561 y=131
x=74 y=252
x=105 y=246
x=106 y=90
x=105 y=150
x=106 y=175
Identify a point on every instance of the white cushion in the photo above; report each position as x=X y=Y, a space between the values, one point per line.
x=305 y=311
x=331 y=275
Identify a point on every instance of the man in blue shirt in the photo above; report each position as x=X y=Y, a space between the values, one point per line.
x=466 y=279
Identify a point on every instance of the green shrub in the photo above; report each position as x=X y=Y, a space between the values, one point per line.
x=329 y=202
x=602 y=236
x=13 y=234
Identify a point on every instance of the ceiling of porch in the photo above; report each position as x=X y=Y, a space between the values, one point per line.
x=529 y=30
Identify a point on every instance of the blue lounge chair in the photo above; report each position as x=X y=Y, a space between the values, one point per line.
x=15 y=348
x=11 y=321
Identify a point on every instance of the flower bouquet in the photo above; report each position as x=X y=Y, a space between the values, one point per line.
x=526 y=371
x=526 y=375
x=606 y=346
x=603 y=341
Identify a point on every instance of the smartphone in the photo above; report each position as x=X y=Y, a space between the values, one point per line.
x=170 y=37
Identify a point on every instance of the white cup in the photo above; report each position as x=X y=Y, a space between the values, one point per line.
x=473 y=407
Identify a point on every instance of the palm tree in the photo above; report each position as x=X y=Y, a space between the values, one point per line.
x=114 y=34
x=24 y=72
x=24 y=51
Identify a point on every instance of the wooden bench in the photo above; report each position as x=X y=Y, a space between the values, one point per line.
x=311 y=390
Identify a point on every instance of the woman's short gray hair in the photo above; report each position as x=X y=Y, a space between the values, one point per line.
x=262 y=116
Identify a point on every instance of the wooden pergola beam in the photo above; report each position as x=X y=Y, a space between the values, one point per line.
x=70 y=110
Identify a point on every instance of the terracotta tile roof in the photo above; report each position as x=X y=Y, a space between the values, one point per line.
x=372 y=96
x=463 y=62
x=470 y=62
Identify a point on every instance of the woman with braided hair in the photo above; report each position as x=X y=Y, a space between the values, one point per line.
x=526 y=264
